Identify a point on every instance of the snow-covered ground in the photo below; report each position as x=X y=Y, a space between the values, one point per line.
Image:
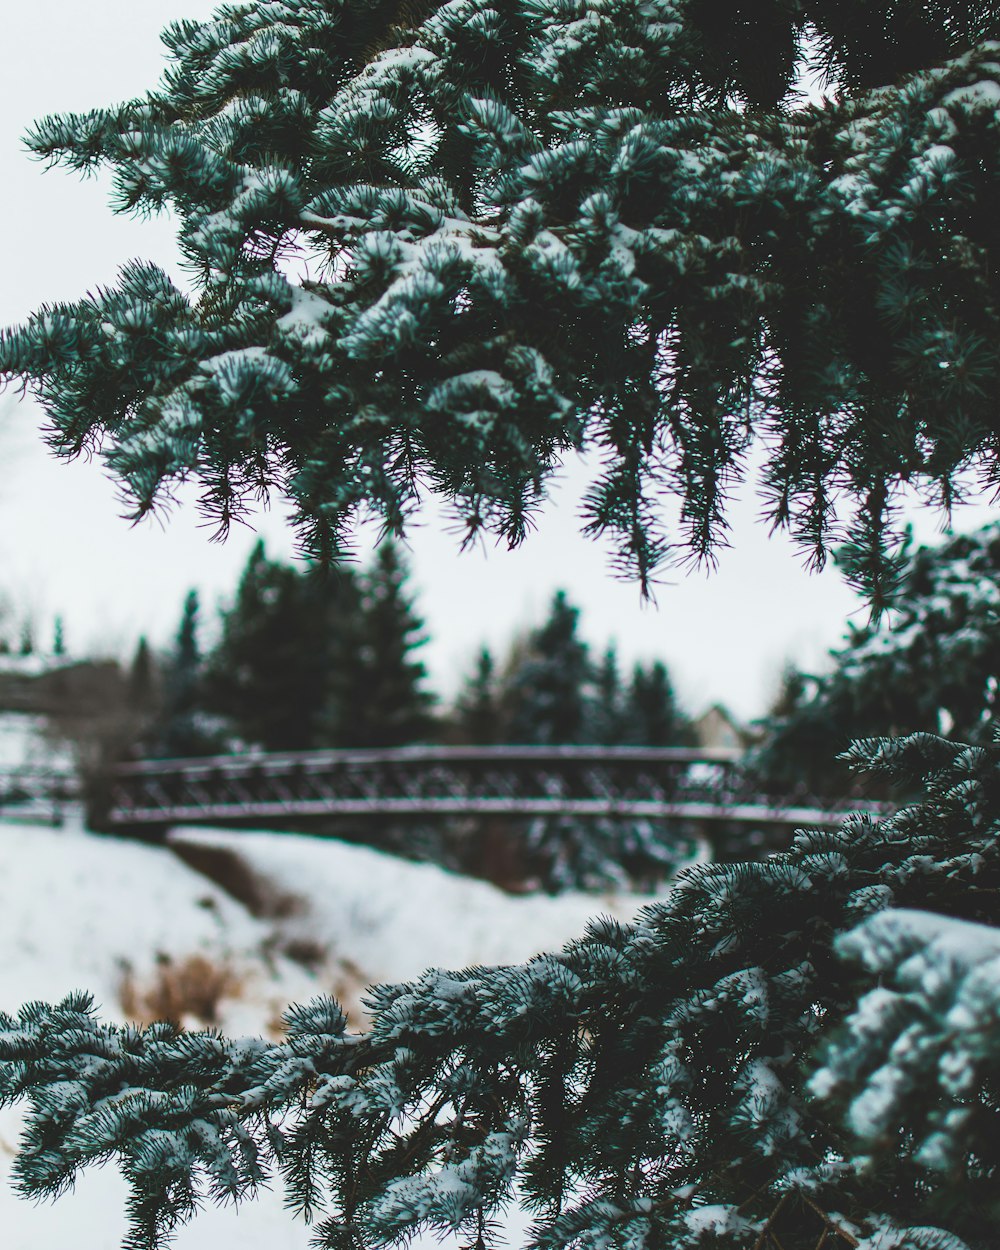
x=126 y=920
x=359 y=916
x=24 y=742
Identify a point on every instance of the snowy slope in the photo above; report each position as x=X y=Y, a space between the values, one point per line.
x=80 y=911
x=368 y=916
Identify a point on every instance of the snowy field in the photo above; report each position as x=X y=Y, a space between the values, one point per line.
x=129 y=922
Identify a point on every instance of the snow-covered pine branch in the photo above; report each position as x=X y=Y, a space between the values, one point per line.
x=532 y=226
x=645 y=1086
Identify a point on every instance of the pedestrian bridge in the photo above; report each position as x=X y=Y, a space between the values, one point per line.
x=585 y=782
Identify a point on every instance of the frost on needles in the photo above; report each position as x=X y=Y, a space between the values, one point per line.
x=648 y=1086
x=440 y=244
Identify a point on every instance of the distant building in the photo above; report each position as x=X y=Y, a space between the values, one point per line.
x=717 y=727
x=56 y=687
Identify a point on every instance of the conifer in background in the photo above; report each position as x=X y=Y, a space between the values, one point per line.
x=268 y=672
x=931 y=666
x=546 y=697
x=551 y=694
x=379 y=697
x=311 y=656
x=26 y=646
x=477 y=709
x=608 y=722
x=547 y=692
x=183 y=728
x=653 y=717
x=143 y=681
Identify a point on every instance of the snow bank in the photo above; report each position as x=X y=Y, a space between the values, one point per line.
x=391 y=918
x=80 y=911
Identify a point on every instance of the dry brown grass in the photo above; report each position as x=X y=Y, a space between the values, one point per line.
x=180 y=990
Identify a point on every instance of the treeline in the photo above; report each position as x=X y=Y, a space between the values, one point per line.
x=549 y=690
x=310 y=658
x=307 y=658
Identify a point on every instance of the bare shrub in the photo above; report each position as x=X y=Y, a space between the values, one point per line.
x=180 y=990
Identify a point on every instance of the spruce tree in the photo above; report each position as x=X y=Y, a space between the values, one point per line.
x=183 y=726
x=142 y=689
x=267 y=676
x=652 y=712
x=26 y=646
x=932 y=666
x=543 y=225
x=477 y=710
x=546 y=699
x=58 y=637
x=379 y=698
x=548 y=691
x=534 y=227
x=608 y=722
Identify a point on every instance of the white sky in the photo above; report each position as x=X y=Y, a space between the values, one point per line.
x=65 y=549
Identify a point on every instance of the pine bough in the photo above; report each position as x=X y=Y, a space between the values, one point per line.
x=441 y=244
x=649 y=1086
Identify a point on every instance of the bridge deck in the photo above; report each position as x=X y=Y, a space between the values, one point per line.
x=586 y=782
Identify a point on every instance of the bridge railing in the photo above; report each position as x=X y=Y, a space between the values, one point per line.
x=37 y=791
x=706 y=784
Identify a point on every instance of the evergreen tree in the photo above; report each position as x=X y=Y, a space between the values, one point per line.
x=377 y=697
x=553 y=696
x=314 y=656
x=548 y=691
x=58 y=638
x=653 y=716
x=538 y=226
x=183 y=727
x=647 y=1086
x=544 y=225
x=269 y=672
x=142 y=680
x=933 y=666
x=609 y=718
x=477 y=709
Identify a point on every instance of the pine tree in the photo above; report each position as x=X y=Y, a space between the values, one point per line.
x=548 y=692
x=647 y=1085
x=542 y=225
x=58 y=637
x=26 y=646
x=183 y=727
x=312 y=656
x=653 y=715
x=552 y=695
x=538 y=226
x=378 y=697
x=609 y=718
x=269 y=672
x=933 y=666
x=142 y=680
x=477 y=710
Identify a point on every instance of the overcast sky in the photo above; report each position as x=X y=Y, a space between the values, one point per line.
x=65 y=549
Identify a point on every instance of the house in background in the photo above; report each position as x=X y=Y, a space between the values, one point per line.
x=717 y=727
x=52 y=708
